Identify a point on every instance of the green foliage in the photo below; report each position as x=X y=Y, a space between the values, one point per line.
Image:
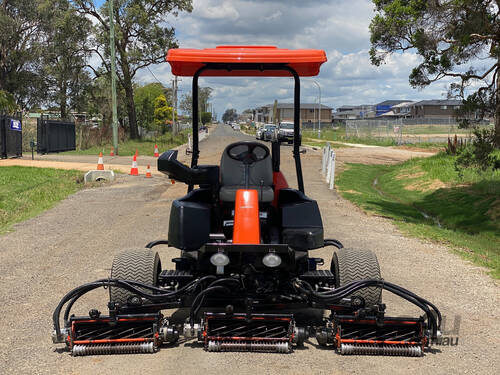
x=448 y=35
x=204 y=94
x=65 y=54
x=20 y=51
x=481 y=154
x=162 y=114
x=206 y=117
x=427 y=198
x=230 y=114
x=143 y=36
x=144 y=98
x=7 y=102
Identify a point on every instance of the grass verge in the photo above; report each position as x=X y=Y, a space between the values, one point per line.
x=26 y=191
x=144 y=146
x=426 y=198
x=339 y=135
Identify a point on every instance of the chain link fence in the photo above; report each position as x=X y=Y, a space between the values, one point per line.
x=408 y=131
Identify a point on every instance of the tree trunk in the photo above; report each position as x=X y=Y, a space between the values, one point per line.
x=497 y=110
x=62 y=101
x=129 y=95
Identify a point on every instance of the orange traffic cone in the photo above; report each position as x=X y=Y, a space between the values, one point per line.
x=136 y=152
x=100 y=163
x=112 y=152
x=134 y=171
x=156 y=151
x=148 y=172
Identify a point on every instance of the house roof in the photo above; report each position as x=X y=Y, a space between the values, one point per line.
x=186 y=61
x=302 y=106
x=439 y=102
x=391 y=102
x=401 y=105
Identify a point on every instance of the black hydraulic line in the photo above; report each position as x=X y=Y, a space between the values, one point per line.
x=155 y=243
x=131 y=286
x=333 y=242
x=346 y=290
x=214 y=283
x=200 y=295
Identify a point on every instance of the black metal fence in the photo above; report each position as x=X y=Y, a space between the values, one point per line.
x=11 y=137
x=55 y=136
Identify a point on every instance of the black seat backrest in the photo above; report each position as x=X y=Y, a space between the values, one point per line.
x=232 y=172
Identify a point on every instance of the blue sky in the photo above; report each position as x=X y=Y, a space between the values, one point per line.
x=340 y=27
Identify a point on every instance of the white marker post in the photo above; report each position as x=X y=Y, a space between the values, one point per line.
x=332 y=170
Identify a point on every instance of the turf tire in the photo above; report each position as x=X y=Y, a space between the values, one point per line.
x=350 y=265
x=142 y=265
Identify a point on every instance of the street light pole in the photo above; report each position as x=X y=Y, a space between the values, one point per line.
x=113 y=76
x=319 y=109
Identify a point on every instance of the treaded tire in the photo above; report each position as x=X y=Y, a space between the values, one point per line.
x=142 y=265
x=350 y=265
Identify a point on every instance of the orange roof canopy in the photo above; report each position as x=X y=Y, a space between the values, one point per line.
x=306 y=62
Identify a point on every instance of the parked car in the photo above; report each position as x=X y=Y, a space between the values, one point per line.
x=284 y=133
x=268 y=132
x=236 y=127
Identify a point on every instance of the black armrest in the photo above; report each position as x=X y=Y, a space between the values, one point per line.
x=200 y=175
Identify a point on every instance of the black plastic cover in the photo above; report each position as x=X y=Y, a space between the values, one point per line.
x=302 y=227
x=200 y=175
x=189 y=225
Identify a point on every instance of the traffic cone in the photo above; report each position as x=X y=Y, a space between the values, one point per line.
x=134 y=171
x=100 y=163
x=112 y=152
x=156 y=151
x=148 y=172
x=136 y=152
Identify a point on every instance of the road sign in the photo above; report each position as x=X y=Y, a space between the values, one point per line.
x=15 y=125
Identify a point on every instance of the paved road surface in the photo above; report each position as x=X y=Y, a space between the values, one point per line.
x=75 y=243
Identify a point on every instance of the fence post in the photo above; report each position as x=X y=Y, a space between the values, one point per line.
x=326 y=151
x=332 y=171
x=328 y=167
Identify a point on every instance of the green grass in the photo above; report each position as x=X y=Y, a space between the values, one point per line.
x=145 y=147
x=26 y=191
x=462 y=212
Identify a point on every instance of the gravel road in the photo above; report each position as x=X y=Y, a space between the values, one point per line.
x=43 y=258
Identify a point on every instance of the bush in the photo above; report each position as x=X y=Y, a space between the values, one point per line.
x=481 y=154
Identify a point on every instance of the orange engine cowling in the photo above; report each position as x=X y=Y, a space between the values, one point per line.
x=246 y=217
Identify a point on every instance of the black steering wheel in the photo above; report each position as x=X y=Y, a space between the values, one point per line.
x=247 y=152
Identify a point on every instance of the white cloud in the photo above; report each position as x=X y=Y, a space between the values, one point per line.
x=340 y=27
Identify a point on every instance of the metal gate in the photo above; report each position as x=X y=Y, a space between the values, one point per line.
x=11 y=137
x=55 y=136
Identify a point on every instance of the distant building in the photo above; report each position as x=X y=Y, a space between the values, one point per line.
x=386 y=106
x=308 y=113
x=352 y=112
x=435 y=108
x=401 y=110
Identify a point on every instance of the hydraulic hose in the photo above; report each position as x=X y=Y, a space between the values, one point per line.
x=346 y=290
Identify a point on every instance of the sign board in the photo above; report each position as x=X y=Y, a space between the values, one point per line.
x=15 y=125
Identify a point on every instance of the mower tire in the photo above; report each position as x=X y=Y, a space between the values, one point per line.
x=350 y=265
x=142 y=265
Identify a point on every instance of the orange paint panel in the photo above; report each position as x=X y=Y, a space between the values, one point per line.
x=186 y=61
x=246 y=217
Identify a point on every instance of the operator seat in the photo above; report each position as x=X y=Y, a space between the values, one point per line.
x=232 y=176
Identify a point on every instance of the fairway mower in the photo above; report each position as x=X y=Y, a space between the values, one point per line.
x=245 y=265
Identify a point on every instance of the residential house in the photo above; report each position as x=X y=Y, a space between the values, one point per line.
x=386 y=106
x=284 y=112
x=437 y=109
